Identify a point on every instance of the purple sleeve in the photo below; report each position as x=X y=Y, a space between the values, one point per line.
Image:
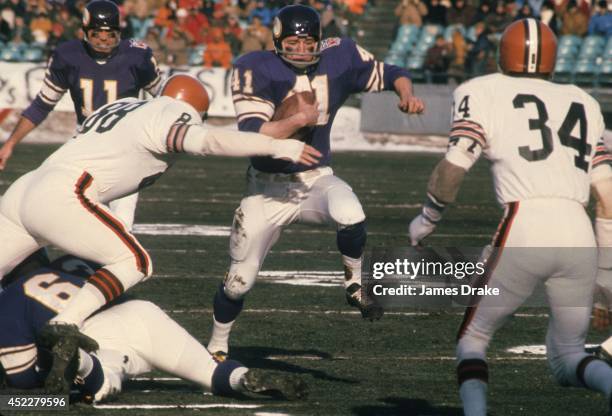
x=148 y=73
x=52 y=90
x=251 y=124
x=252 y=95
x=37 y=111
x=26 y=379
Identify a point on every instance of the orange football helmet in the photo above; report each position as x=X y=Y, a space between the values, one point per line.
x=527 y=46
x=189 y=89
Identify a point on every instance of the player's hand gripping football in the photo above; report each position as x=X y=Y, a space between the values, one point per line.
x=411 y=104
x=420 y=228
x=309 y=112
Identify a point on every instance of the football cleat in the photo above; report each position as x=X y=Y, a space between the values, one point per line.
x=369 y=308
x=602 y=354
x=64 y=341
x=3 y=382
x=219 y=356
x=289 y=386
x=604 y=351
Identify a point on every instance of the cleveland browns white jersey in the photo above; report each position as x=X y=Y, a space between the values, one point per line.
x=543 y=139
x=124 y=145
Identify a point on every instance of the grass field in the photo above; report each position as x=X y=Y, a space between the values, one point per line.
x=401 y=365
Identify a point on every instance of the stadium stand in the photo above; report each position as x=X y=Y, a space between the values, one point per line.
x=583 y=60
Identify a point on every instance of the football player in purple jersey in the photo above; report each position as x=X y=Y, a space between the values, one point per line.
x=281 y=193
x=97 y=70
x=133 y=337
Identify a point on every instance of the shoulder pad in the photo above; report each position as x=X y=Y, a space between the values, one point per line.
x=69 y=48
x=252 y=58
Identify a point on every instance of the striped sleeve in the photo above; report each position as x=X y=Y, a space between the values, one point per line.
x=367 y=73
x=601 y=166
x=248 y=106
x=468 y=129
x=18 y=359
x=602 y=155
x=19 y=363
x=50 y=93
x=468 y=134
x=252 y=93
x=149 y=74
x=176 y=137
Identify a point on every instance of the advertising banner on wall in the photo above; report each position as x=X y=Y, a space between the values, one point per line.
x=20 y=82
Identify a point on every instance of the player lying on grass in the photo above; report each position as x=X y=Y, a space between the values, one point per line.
x=134 y=337
x=544 y=141
x=119 y=149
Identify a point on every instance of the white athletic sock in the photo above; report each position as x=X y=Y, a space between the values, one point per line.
x=473 y=394
x=236 y=378
x=85 y=302
x=85 y=364
x=352 y=270
x=220 y=336
x=598 y=376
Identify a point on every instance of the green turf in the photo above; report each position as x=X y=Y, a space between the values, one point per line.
x=401 y=365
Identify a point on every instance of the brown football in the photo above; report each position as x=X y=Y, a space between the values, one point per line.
x=290 y=107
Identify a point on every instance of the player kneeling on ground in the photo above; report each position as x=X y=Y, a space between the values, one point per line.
x=133 y=337
x=544 y=142
x=119 y=149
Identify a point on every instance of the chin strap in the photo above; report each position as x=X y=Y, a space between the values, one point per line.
x=300 y=66
x=99 y=56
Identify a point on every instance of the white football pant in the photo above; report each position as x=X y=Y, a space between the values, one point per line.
x=136 y=337
x=558 y=249
x=275 y=201
x=125 y=209
x=61 y=207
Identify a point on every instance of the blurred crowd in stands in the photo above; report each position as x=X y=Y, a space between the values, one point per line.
x=214 y=32
x=180 y=32
x=470 y=49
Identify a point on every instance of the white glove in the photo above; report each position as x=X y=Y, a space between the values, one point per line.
x=420 y=228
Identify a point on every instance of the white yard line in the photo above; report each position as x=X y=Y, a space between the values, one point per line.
x=405 y=358
x=340 y=312
x=176 y=406
x=224 y=231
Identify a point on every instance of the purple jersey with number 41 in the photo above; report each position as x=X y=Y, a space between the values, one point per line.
x=262 y=80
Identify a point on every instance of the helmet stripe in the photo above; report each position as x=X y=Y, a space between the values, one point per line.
x=539 y=48
x=526 y=48
x=533 y=44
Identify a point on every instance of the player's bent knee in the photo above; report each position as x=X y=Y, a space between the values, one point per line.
x=134 y=260
x=470 y=347
x=240 y=279
x=567 y=368
x=249 y=222
x=126 y=272
x=347 y=214
x=351 y=239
